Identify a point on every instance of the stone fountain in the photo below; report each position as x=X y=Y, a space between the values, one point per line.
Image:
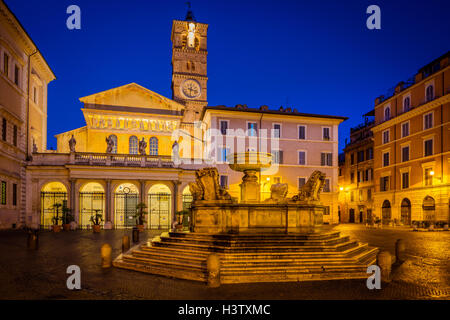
x=277 y=240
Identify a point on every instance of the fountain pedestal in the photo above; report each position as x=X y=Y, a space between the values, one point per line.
x=250 y=188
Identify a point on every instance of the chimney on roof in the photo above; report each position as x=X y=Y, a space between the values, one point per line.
x=399 y=87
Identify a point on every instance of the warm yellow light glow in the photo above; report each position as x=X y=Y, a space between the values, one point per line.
x=341 y=188
x=431 y=173
x=268 y=179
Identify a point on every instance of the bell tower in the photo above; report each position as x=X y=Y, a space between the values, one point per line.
x=189 y=60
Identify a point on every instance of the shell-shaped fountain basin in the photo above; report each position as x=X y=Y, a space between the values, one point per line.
x=255 y=161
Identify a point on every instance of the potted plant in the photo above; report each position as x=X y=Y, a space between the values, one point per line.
x=140 y=215
x=56 y=227
x=67 y=218
x=96 y=219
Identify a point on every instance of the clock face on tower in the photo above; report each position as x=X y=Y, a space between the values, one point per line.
x=190 y=88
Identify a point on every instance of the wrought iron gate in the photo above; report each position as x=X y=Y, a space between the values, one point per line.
x=48 y=210
x=90 y=203
x=125 y=209
x=187 y=201
x=159 y=211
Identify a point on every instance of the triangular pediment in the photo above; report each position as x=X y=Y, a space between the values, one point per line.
x=131 y=95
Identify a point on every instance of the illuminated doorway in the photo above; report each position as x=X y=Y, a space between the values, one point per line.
x=405 y=212
x=53 y=200
x=126 y=197
x=92 y=201
x=429 y=209
x=386 y=212
x=159 y=199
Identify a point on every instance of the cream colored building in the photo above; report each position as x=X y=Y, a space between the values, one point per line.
x=412 y=148
x=24 y=77
x=88 y=179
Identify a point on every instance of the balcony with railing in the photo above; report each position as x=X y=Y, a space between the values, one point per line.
x=102 y=159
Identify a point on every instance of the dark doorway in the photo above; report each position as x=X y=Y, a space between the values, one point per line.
x=406 y=212
x=352 y=216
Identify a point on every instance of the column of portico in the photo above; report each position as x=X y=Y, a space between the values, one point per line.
x=108 y=206
x=175 y=199
x=142 y=192
x=73 y=200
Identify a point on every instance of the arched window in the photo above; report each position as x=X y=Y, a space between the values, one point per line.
x=114 y=139
x=387 y=113
x=133 y=145
x=153 y=146
x=430 y=93
x=406 y=104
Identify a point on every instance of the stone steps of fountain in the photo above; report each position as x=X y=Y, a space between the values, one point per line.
x=270 y=260
x=274 y=247
x=254 y=242
x=256 y=236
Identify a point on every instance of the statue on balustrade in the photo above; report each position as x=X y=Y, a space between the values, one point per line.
x=142 y=146
x=278 y=192
x=109 y=144
x=176 y=152
x=72 y=143
x=310 y=192
x=207 y=187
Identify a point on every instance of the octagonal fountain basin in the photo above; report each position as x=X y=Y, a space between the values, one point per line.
x=252 y=161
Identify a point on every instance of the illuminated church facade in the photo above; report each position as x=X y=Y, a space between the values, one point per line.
x=125 y=153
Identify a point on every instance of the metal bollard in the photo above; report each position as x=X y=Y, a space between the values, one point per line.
x=213 y=269
x=135 y=235
x=125 y=243
x=33 y=239
x=106 y=255
x=384 y=261
x=400 y=248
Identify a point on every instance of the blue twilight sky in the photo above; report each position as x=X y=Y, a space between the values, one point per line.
x=316 y=56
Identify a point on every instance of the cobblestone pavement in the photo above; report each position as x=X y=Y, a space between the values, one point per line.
x=41 y=274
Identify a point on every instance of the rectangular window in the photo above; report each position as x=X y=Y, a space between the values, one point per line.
x=428 y=145
x=405 y=154
x=361 y=156
x=361 y=197
x=16 y=75
x=368 y=175
x=223 y=127
x=4 y=129
x=359 y=175
x=3 y=193
x=352 y=177
x=369 y=194
x=15 y=136
x=277 y=130
x=326 y=186
x=222 y=155
x=6 y=64
x=302 y=132
x=14 y=199
x=352 y=158
x=302 y=158
x=301 y=182
x=252 y=129
x=405 y=129
x=428 y=177
x=277 y=156
x=369 y=154
x=326 y=134
x=326 y=159
x=224 y=182
x=34 y=95
x=405 y=180
x=384 y=184
x=326 y=211
x=386 y=159
x=352 y=196
x=386 y=136
x=428 y=121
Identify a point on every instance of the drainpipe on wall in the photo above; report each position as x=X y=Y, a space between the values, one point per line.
x=28 y=106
